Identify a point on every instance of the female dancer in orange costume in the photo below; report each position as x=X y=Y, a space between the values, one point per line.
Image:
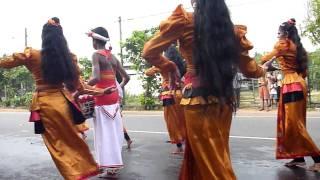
x=173 y=111
x=52 y=107
x=213 y=49
x=293 y=140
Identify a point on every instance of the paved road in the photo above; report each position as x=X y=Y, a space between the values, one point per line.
x=23 y=155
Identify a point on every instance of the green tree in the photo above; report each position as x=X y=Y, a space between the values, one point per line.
x=257 y=56
x=311 y=28
x=133 y=50
x=85 y=67
x=17 y=86
x=314 y=70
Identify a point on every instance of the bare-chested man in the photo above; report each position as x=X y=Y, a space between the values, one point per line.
x=108 y=128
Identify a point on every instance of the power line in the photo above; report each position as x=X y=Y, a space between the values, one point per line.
x=25 y=37
x=249 y=3
x=188 y=8
x=169 y=12
x=152 y=15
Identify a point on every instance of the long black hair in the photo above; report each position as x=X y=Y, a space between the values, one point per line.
x=173 y=55
x=289 y=29
x=56 y=60
x=216 y=52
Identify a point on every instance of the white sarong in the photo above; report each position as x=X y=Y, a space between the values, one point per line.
x=108 y=136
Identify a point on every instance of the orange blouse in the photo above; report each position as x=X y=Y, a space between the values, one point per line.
x=165 y=76
x=31 y=59
x=285 y=51
x=179 y=27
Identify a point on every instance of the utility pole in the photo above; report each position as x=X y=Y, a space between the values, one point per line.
x=121 y=56
x=120 y=30
x=5 y=92
x=25 y=37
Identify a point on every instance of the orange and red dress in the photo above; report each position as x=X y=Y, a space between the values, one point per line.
x=293 y=140
x=207 y=154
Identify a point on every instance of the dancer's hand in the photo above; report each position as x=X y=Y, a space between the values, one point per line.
x=110 y=90
x=76 y=95
x=267 y=66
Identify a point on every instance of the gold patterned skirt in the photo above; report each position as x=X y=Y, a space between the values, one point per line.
x=68 y=151
x=207 y=153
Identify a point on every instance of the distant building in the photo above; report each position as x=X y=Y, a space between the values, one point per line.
x=134 y=86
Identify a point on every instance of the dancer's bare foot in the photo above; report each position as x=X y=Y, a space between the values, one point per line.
x=315 y=167
x=178 y=151
x=84 y=136
x=110 y=173
x=129 y=142
x=294 y=163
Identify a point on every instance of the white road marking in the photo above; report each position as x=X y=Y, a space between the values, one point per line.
x=236 y=137
x=310 y=117
x=161 y=115
x=249 y=137
x=147 y=132
x=242 y=116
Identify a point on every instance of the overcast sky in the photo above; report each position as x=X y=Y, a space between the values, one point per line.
x=261 y=16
